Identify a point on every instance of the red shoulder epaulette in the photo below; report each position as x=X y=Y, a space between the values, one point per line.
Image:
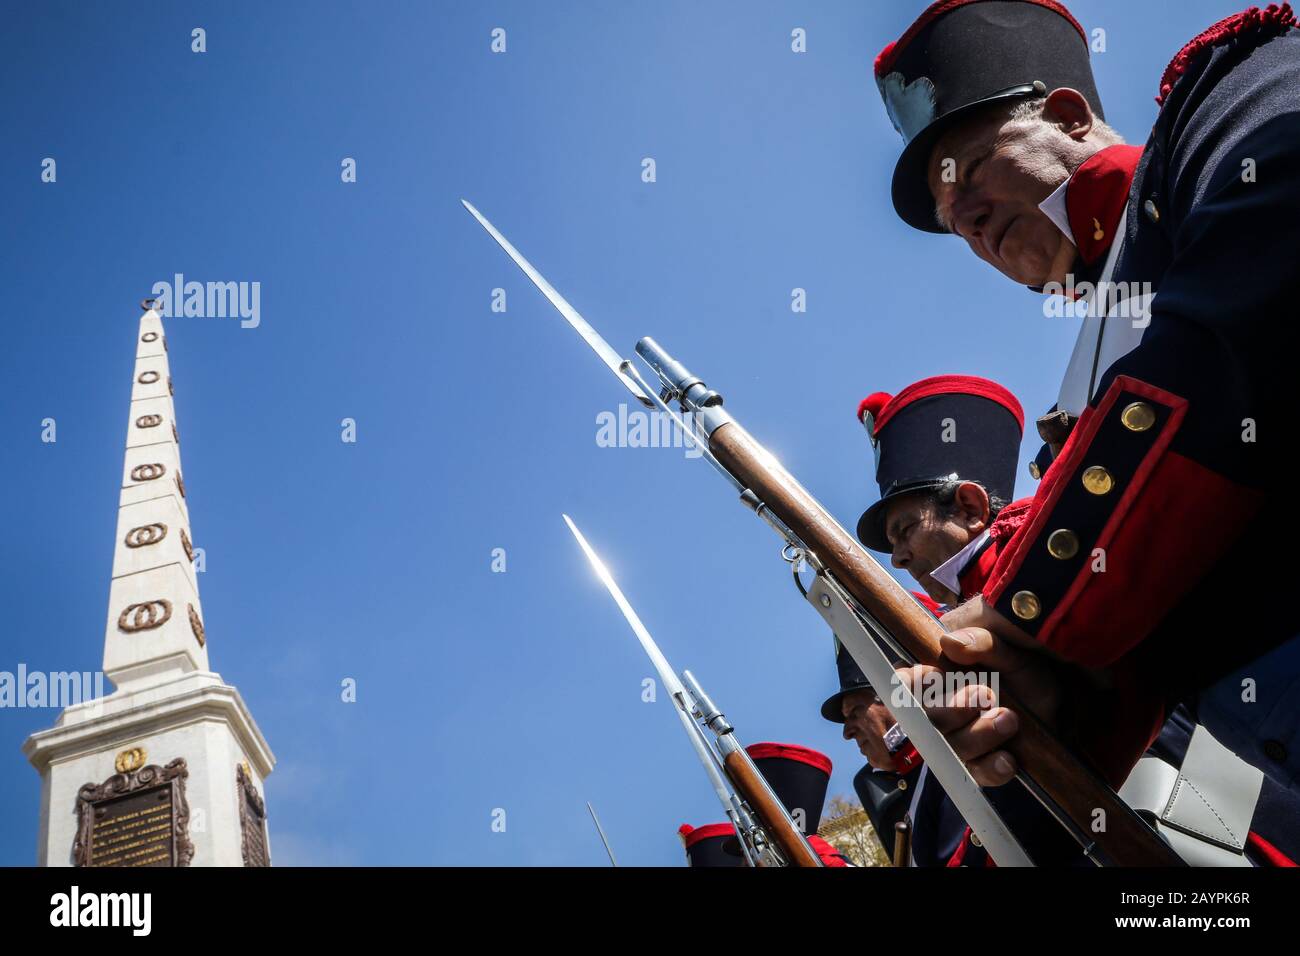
x=1009 y=520
x=1273 y=18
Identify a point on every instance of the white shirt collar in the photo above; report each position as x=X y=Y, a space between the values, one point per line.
x=1053 y=208
x=948 y=573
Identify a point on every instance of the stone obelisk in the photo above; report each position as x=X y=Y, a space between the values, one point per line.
x=168 y=769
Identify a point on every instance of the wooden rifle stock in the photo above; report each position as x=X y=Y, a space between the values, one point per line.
x=744 y=775
x=1126 y=840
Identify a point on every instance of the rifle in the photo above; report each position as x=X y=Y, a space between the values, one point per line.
x=768 y=834
x=869 y=611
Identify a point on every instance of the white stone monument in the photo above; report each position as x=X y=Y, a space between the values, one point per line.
x=168 y=769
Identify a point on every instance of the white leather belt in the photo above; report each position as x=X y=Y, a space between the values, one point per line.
x=1204 y=808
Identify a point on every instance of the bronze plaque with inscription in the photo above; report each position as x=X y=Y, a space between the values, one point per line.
x=139 y=818
x=252 y=820
x=135 y=830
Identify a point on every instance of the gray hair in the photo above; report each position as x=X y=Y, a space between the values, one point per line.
x=1032 y=109
x=944 y=497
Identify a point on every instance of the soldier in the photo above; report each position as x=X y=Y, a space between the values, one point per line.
x=1149 y=522
x=799 y=776
x=949 y=548
x=945 y=451
x=886 y=783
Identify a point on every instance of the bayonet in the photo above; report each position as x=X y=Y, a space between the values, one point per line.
x=768 y=834
x=613 y=361
x=601 y=830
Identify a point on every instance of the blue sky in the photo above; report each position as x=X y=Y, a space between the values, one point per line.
x=476 y=429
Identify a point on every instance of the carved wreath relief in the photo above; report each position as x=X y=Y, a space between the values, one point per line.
x=145 y=535
x=145 y=616
x=148 y=472
x=196 y=625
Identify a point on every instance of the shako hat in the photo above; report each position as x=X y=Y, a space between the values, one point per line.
x=799 y=775
x=851 y=679
x=940 y=429
x=961 y=56
x=705 y=845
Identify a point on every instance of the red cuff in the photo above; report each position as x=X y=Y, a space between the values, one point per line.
x=1163 y=522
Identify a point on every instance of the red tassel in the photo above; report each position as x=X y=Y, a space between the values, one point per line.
x=1273 y=18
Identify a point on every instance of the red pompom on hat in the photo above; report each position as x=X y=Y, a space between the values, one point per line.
x=872 y=404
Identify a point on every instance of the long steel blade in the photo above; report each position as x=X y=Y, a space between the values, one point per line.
x=617 y=364
x=601 y=830
x=669 y=680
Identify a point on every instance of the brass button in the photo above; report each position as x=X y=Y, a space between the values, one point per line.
x=1034 y=472
x=1097 y=479
x=974 y=840
x=902 y=784
x=1025 y=605
x=1063 y=544
x=1138 y=417
x=1150 y=209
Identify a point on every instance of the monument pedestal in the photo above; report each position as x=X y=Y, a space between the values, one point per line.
x=195 y=717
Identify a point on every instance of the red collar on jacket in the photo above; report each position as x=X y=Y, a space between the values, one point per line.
x=1096 y=196
x=976 y=573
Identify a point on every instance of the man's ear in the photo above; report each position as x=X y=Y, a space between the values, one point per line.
x=1069 y=111
x=973 y=502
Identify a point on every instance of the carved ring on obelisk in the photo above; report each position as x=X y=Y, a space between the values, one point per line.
x=175 y=437
x=149 y=337
x=148 y=472
x=149 y=421
x=189 y=548
x=132 y=759
x=196 y=625
x=146 y=534
x=170 y=390
x=180 y=483
x=147 y=377
x=145 y=617
x=148 y=304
